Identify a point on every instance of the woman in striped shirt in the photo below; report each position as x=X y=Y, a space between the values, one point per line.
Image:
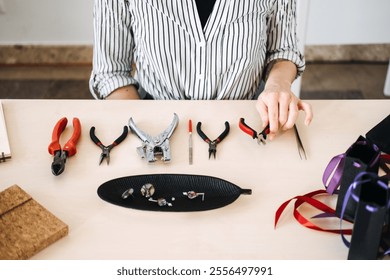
x=192 y=49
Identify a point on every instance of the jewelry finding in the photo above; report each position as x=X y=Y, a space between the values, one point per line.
x=147 y=190
x=192 y=195
x=127 y=193
x=161 y=202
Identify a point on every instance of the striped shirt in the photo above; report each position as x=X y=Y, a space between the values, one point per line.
x=176 y=58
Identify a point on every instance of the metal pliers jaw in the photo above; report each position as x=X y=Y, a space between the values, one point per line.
x=58 y=164
x=155 y=147
x=262 y=136
x=213 y=149
x=105 y=154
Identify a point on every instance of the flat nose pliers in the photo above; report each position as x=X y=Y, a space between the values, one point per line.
x=106 y=149
x=213 y=144
x=69 y=149
x=261 y=137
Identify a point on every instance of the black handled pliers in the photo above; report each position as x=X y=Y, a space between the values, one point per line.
x=213 y=144
x=106 y=149
x=261 y=137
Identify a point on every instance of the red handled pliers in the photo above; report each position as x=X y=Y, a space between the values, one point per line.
x=261 y=137
x=212 y=144
x=61 y=154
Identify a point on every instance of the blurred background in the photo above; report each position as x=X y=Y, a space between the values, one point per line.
x=46 y=49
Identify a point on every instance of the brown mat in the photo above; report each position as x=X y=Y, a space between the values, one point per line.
x=26 y=227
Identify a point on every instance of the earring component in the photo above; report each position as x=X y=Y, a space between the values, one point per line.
x=161 y=202
x=192 y=195
x=127 y=193
x=147 y=190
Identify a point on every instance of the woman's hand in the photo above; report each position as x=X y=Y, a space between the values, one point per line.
x=277 y=104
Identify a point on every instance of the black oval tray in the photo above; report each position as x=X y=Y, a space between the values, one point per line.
x=217 y=192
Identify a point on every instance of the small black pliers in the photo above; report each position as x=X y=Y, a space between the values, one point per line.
x=261 y=137
x=106 y=149
x=212 y=144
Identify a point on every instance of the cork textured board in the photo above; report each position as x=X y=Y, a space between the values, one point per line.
x=26 y=227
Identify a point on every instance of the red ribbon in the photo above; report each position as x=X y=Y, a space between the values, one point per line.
x=331 y=180
x=308 y=198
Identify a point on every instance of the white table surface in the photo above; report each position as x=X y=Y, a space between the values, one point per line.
x=241 y=230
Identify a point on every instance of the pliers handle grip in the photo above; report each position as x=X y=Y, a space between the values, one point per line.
x=245 y=128
x=220 y=137
x=261 y=137
x=115 y=143
x=70 y=146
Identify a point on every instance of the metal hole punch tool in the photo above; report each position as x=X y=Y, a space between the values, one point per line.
x=107 y=149
x=68 y=150
x=213 y=144
x=155 y=147
x=261 y=137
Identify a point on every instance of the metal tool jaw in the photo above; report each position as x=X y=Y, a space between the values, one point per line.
x=155 y=147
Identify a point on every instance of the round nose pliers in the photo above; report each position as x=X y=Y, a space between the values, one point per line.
x=213 y=144
x=69 y=149
x=106 y=149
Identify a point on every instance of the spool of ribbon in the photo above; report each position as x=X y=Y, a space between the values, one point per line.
x=334 y=170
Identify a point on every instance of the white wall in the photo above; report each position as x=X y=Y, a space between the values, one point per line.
x=69 y=22
x=58 y=22
x=348 y=22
